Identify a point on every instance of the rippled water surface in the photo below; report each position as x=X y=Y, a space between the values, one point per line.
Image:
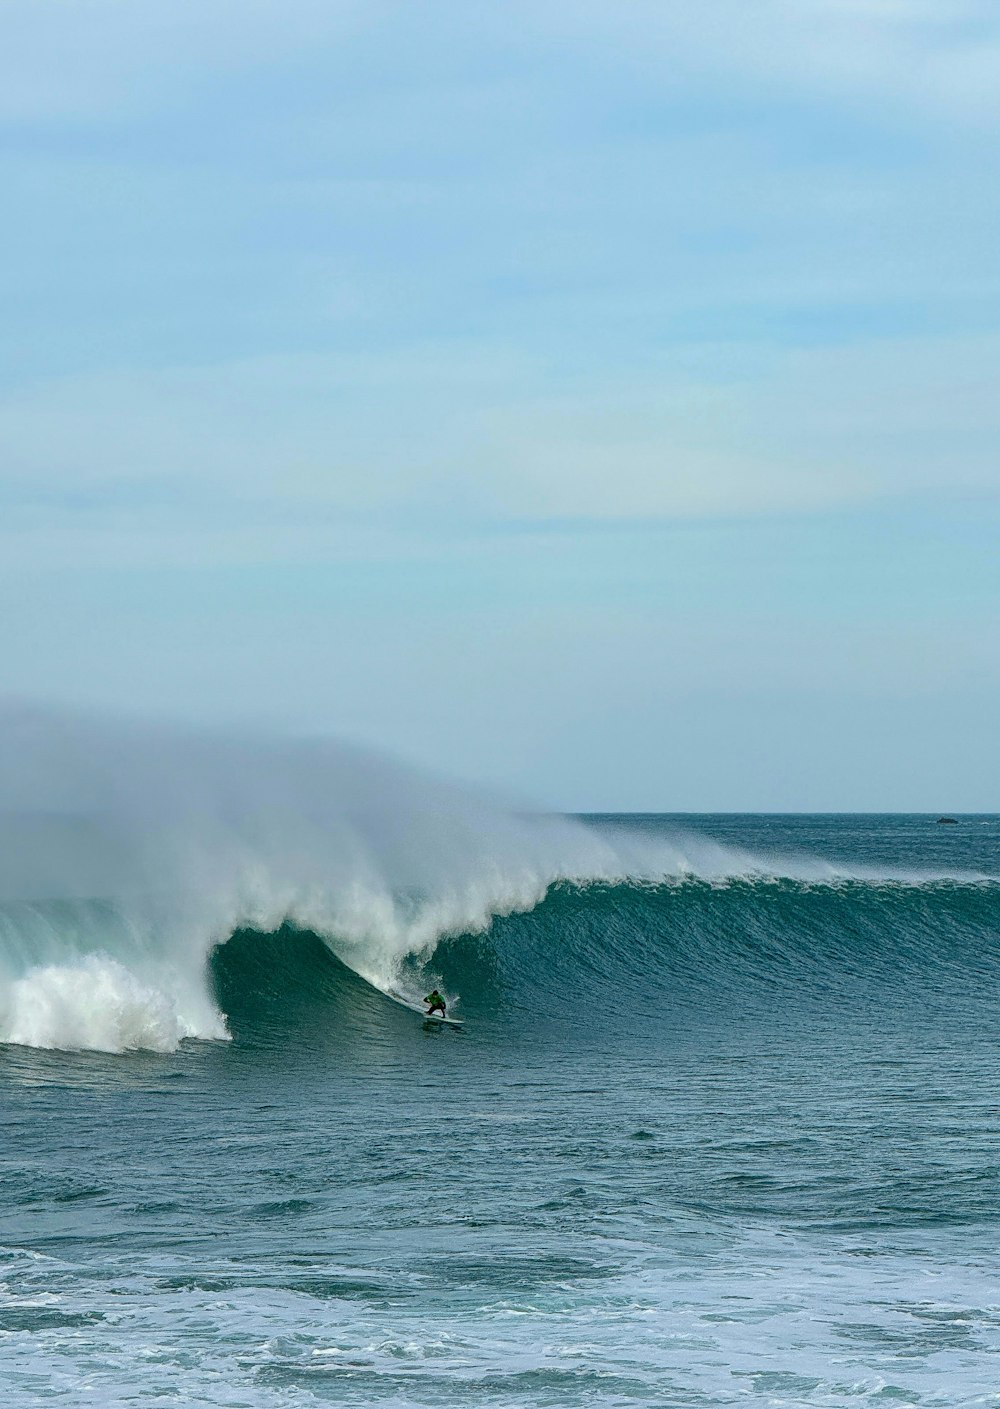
x=757 y=1163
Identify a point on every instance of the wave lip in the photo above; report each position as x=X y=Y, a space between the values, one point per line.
x=129 y=852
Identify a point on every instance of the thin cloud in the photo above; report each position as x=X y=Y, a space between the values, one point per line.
x=472 y=439
x=928 y=59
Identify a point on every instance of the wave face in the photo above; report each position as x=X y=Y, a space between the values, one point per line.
x=695 y=951
x=131 y=855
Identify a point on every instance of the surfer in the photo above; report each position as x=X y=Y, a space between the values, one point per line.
x=436 y=1002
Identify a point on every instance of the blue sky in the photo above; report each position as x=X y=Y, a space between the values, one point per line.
x=596 y=400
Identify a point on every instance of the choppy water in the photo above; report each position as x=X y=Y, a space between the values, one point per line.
x=705 y=1140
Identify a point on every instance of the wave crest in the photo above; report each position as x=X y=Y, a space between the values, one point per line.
x=129 y=852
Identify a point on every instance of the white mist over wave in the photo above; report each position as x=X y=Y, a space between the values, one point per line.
x=128 y=851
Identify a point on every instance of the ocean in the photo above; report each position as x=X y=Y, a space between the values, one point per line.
x=720 y=1127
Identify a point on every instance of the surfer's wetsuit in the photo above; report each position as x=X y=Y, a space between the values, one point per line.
x=436 y=1002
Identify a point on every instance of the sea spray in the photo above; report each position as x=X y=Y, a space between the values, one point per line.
x=130 y=851
x=704 y=1140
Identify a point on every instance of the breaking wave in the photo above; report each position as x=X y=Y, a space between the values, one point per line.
x=130 y=853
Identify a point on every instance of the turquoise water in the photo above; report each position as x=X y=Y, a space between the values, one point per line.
x=705 y=1140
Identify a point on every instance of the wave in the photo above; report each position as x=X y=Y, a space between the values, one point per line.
x=129 y=853
x=692 y=948
x=656 y=957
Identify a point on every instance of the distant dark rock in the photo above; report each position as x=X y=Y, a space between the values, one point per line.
x=949 y=821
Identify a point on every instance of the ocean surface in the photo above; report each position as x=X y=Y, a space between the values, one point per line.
x=721 y=1127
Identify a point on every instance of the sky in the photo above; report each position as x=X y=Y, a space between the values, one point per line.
x=594 y=400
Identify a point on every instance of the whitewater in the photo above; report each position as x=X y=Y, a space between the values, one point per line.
x=129 y=852
x=720 y=1128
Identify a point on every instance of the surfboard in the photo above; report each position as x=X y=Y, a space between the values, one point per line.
x=421 y=1009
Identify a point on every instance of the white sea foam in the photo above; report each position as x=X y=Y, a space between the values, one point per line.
x=127 y=852
x=95 y=1003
